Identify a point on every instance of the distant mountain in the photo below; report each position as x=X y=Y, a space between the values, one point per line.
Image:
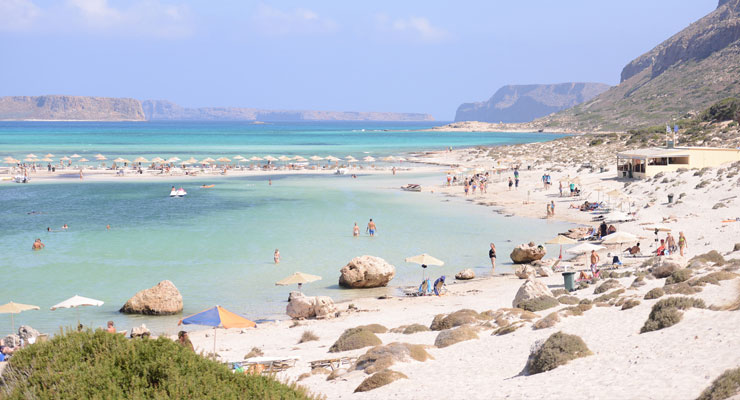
x=162 y=110
x=524 y=103
x=688 y=72
x=76 y=108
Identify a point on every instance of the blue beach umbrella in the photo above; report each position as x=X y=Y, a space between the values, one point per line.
x=217 y=317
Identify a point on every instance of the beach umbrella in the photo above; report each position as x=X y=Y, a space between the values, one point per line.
x=239 y=157
x=158 y=159
x=65 y=158
x=369 y=159
x=584 y=248
x=424 y=260
x=270 y=158
x=83 y=160
x=617 y=216
x=217 y=317
x=30 y=159
x=400 y=159
x=31 y=155
x=298 y=278
x=77 y=301
x=190 y=160
x=11 y=160
x=173 y=159
x=659 y=227
x=255 y=158
x=300 y=159
x=223 y=159
x=100 y=157
x=284 y=158
x=15 y=308
x=332 y=158
x=75 y=155
x=117 y=160
x=316 y=158
x=141 y=160
x=49 y=155
x=561 y=240
x=126 y=160
x=619 y=237
x=204 y=161
x=388 y=159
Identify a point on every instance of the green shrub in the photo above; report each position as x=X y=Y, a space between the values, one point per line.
x=560 y=291
x=451 y=336
x=681 y=288
x=709 y=257
x=666 y=312
x=605 y=298
x=557 y=350
x=457 y=318
x=714 y=278
x=724 y=387
x=415 y=328
x=723 y=110
x=654 y=294
x=308 y=336
x=354 y=338
x=678 y=276
x=379 y=379
x=381 y=357
x=607 y=286
x=568 y=300
x=539 y=303
x=585 y=301
x=374 y=328
x=549 y=321
x=630 y=304
x=82 y=365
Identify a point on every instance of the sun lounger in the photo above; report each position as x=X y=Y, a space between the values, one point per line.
x=333 y=363
x=268 y=364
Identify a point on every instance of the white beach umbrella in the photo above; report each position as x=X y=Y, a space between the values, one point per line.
x=77 y=301
x=369 y=159
x=316 y=158
x=65 y=158
x=584 y=248
x=75 y=155
x=561 y=240
x=284 y=158
x=255 y=158
x=298 y=278
x=204 y=161
x=137 y=160
x=619 y=237
x=173 y=159
x=15 y=308
x=424 y=260
x=239 y=157
x=223 y=159
x=157 y=159
x=49 y=155
x=400 y=159
x=331 y=158
x=83 y=160
x=100 y=157
x=270 y=158
x=117 y=160
x=30 y=159
x=31 y=155
x=618 y=216
x=389 y=158
x=658 y=227
x=46 y=159
x=190 y=160
x=300 y=159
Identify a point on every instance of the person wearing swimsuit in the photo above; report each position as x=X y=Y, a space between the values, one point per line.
x=492 y=256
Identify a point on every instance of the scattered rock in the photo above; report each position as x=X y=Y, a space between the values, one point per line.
x=163 y=299
x=736 y=248
x=12 y=341
x=381 y=378
x=451 y=336
x=543 y=271
x=526 y=253
x=524 y=271
x=529 y=290
x=465 y=274
x=305 y=307
x=25 y=332
x=366 y=272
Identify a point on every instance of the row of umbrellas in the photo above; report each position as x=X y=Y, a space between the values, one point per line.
x=73 y=302
x=99 y=157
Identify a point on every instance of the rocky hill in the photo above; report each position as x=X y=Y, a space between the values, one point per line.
x=74 y=108
x=162 y=110
x=524 y=103
x=691 y=70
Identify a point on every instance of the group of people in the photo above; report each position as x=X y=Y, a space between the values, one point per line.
x=547 y=181
x=515 y=182
x=551 y=208
x=669 y=245
x=478 y=181
x=370 y=229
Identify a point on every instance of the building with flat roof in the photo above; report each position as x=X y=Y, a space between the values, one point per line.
x=646 y=163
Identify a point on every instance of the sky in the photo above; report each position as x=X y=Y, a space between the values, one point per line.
x=402 y=56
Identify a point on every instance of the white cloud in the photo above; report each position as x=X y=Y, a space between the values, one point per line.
x=414 y=28
x=275 y=22
x=17 y=15
x=137 y=18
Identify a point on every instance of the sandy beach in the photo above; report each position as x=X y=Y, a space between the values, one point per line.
x=675 y=362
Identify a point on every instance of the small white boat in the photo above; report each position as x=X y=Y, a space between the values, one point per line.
x=411 y=187
x=181 y=192
x=173 y=192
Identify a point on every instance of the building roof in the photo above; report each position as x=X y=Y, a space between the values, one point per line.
x=653 y=152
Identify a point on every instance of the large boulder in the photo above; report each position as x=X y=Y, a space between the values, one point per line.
x=465 y=274
x=524 y=271
x=305 y=307
x=163 y=299
x=531 y=289
x=526 y=253
x=26 y=332
x=366 y=272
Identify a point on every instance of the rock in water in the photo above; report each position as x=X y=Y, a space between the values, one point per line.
x=531 y=289
x=526 y=253
x=163 y=299
x=524 y=271
x=465 y=274
x=305 y=307
x=366 y=272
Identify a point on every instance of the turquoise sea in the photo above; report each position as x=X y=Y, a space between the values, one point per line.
x=216 y=244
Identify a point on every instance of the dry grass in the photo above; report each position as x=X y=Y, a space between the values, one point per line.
x=353 y=339
x=654 y=294
x=607 y=286
x=451 y=336
x=457 y=318
x=379 y=379
x=382 y=357
x=724 y=387
x=665 y=313
x=539 y=303
x=307 y=336
x=570 y=300
x=255 y=352
x=710 y=257
x=547 y=322
x=605 y=298
x=714 y=278
x=631 y=303
x=678 y=276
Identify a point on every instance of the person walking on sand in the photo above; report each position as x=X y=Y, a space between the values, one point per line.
x=516 y=183
x=356 y=230
x=561 y=188
x=670 y=242
x=80 y=173
x=552 y=207
x=681 y=242
x=594 y=260
x=492 y=256
x=371 y=227
x=549 y=212
x=276 y=256
x=449 y=179
x=510 y=184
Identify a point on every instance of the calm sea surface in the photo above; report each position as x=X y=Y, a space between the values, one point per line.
x=216 y=244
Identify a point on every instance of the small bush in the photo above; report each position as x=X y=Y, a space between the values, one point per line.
x=308 y=336
x=83 y=365
x=451 y=336
x=607 y=286
x=506 y=329
x=382 y=357
x=709 y=257
x=714 y=278
x=457 y=318
x=605 y=298
x=379 y=379
x=374 y=328
x=585 y=301
x=539 y=303
x=664 y=271
x=568 y=300
x=255 y=352
x=654 y=294
x=681 y=288
x=630 y=304
x=354 y=338
x=724 y=387
x=557 y=350
x=560 y=291
x=665 y=313
x=678 y=276
x=549 y=321
x=415 y=328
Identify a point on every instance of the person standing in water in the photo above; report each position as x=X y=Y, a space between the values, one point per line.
x=371 y=227
x=37 y=245
x=356 y=230
x=276 y=256
x=269 y=182
x=492 y=256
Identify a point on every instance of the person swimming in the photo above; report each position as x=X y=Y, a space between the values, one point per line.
x=276 y=256
x=37 y=245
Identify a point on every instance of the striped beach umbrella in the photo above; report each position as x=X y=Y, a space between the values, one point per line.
x=217 y=317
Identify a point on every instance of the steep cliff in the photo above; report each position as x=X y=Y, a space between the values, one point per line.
x=523 y=103
x=691 y=70
x=162 y=110
x=79 y=108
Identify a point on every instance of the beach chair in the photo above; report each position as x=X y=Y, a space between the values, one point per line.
x=439 y=286
x=425 y=289
x=267 y=365
x=333 y=363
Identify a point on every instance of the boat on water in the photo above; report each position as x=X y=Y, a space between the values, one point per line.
x=411 y=187
x=178 y=192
